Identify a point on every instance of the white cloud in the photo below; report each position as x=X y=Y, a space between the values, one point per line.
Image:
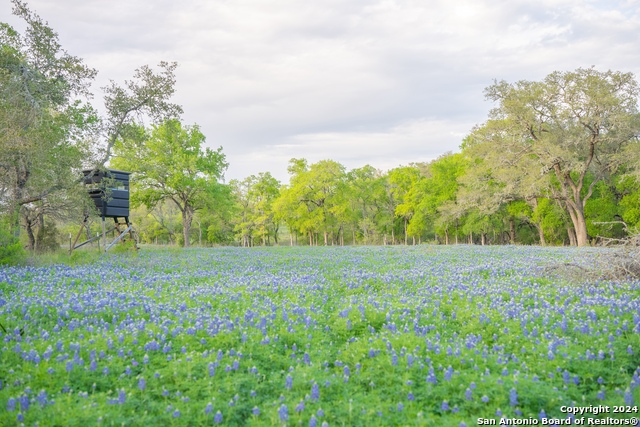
x=384 y=82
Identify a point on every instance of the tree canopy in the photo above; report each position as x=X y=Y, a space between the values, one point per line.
x=171 y=164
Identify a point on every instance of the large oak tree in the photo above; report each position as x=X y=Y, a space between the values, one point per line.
x=571 y=125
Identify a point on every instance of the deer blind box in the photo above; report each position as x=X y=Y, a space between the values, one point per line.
x=109 y=191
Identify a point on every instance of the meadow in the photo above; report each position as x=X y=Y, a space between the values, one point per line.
x=315 y=336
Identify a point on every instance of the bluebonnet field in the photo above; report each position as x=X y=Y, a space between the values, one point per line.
x=425 y=335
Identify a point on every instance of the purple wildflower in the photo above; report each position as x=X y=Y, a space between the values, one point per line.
x=513 y=397
x=283 y=412
x=288 y=382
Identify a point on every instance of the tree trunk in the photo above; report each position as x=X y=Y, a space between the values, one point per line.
x=325 y=238
x=446 y=236
x=512 y=231
x=393 y=236
x=32 y=239
x=187 y=219
x=580 y=226
x=405 y=232
x=483 y=238
x=543 y=241
x=572 y=236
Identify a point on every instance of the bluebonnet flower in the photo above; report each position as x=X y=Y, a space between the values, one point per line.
x=11 y=404
x=313 y=421
x=24 y=402
x=288 y=382
x=42 y=398
x=447 y=373
x=445 y=405
x=300 y=406
x=628 y=397
x=255 y=410
x=142 y=384
x=315 y=391
x=176 y=413
x=217 y=417
x=513 y=397
x=208 y=408
x=283 y=412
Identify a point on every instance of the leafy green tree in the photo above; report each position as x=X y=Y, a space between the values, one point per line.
x=170 y=163
x=363 y=200
x=254 y=197
x=145 y=96
x=571 y=125
x=434 y=196
x=43 y=123
x=401 y=180
x=306 y=203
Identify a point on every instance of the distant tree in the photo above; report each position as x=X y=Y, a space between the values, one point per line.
x=401 y=181
x=254 y=197
x=307 y=203
x=170 y=163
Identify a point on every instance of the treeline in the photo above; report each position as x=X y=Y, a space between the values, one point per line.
x=555 y=163
x=324 y=204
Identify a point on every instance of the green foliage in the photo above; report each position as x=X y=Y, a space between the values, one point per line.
x=388 y=335
x=170 y=163
x=48 y=238
x=11 y=251
x=572 y=125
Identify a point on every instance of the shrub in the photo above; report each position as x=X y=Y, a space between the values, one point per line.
x=11 y=251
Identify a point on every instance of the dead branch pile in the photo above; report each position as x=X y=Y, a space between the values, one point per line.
x=619 y=263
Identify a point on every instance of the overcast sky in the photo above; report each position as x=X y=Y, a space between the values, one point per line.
x=361 y=82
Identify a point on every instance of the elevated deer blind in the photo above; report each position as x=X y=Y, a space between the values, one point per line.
x=109 y=191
